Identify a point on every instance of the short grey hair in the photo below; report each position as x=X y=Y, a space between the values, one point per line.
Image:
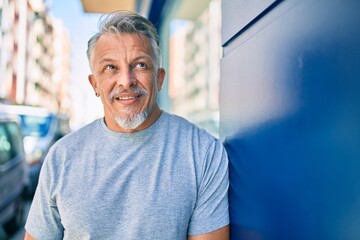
x=126 y=22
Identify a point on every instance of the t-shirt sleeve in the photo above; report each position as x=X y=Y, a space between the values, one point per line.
x=44 y=221
x=212 y=209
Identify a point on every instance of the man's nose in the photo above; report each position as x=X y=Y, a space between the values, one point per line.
x=126 y=78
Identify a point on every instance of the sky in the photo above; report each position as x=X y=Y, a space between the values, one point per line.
x=81 y=26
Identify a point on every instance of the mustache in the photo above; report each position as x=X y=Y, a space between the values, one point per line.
x=132 y=89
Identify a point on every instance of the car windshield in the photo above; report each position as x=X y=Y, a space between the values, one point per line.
x=35 y=126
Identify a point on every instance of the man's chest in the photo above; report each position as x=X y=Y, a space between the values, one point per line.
x=142 y=196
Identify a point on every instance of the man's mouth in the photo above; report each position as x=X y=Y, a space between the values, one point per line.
x=127 y=97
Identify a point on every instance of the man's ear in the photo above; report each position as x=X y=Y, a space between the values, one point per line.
x=92 y=81
x=160 y=78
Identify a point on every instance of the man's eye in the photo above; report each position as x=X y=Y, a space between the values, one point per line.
x=110 y=67
x=140 y=65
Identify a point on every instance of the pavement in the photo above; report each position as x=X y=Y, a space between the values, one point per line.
x=19 y=235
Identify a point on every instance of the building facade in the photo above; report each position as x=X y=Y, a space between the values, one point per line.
x=29 y=51
x=194 y=65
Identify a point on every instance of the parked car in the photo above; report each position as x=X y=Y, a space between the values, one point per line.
x=13 y=174
x=41 y=129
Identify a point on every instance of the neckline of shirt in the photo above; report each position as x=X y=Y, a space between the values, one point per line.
x=141 y=133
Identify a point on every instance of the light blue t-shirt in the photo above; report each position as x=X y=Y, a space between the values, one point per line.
x=165 y=182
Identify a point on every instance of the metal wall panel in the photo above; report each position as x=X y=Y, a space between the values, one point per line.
x=239 y=14
x=290 y=121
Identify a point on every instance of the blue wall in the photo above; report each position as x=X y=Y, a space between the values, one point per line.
x=290 y=118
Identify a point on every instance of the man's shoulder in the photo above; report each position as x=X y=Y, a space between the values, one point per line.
x=78 y=141
x=182 y=125
x=176 y=120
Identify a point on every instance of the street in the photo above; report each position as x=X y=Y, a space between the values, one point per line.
x=21 y=232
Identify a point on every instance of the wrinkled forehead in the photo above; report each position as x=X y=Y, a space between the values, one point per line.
x=122 y=43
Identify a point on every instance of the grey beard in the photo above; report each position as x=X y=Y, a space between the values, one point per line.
x=131 y=122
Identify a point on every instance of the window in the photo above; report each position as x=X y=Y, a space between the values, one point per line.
x=35 y=126
x=15 y=138
x=5 y=145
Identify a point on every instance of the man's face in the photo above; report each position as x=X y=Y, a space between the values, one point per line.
x=124 y=75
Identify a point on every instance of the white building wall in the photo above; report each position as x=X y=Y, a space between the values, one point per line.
x=195 y=52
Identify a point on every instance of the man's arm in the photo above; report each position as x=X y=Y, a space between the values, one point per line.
x=28 y=237
x=220 y=234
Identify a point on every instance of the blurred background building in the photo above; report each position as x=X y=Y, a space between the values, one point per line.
x=194 y=64
x=35 y=56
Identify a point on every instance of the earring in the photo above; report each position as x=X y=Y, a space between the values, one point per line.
x=96 y=94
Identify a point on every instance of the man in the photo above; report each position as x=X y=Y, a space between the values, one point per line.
x=138 y=173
